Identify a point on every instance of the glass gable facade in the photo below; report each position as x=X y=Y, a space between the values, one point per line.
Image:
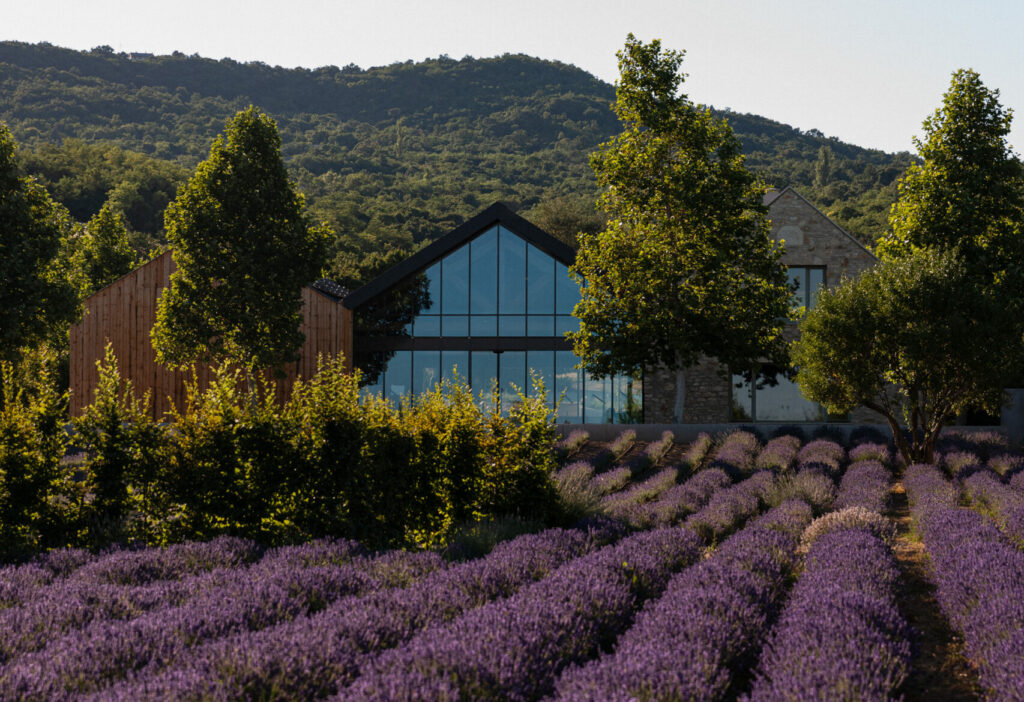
x=497 y=308
x=497 y=285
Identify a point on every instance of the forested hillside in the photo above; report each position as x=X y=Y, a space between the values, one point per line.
x=391 y=157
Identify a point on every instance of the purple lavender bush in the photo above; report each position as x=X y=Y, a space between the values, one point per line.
x=696 y=453
x=735 y=453
x=840 y=636
x=514 y=649
x=730 y=507
x=311 y=656
x=865 y=484
x=779 y=454
x=977 y=574
x=690 y=643
x=685 y=498
x=870 y=451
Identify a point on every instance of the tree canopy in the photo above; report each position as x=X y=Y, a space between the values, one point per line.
x=36 y=298
x=937 y=328
x=686 y=265
x=244 y=249
x=391 y=156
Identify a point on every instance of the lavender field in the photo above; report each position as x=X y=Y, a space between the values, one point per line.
x=734 y=568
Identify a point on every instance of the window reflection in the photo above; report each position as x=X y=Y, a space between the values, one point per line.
x=772 y=397
x=616 y=399
x=484 y=273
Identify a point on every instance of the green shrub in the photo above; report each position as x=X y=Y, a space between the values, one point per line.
x=124 y=450
x=32 y=443
x=229 y=455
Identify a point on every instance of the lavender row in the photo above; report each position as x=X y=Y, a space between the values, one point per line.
x=71 y=603
x=1002 y=502
x=614 y=451
x=682 y=499
x=311 y=656
x=690 y=642
x=865 y=484
x=871 y=451
x=571 y=445
x=779 y=454
x=514 y=649
x=841 y=635
x=247 y=599
x=628 y=504
x=696 y=453
x=731 y=506
x=822 y=456
x=123 y=567
x=736 y=453
x=978 y=575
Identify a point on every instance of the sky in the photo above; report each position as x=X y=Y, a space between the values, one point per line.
x=865 y=71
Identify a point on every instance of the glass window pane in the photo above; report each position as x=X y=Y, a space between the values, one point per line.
x=454 y=325
x=567 y=293
x=512 y=325
x=628 y=399
x=512 y=273
x=540 y=325
x=742 y=409
x=398 y=376
x=815 y=281
x=455 y=365
x=427 y=325
x=433 y=303
x=512 y=369
x=483 y=325
x=542 y=365
x=540 y=286
x=596 y=401
x=483 y=372
x=426 y=370
x=797 y=275
x=568 y=387
x=483 y=254
x=565 y=323
x=455 y=282
x=784 y=403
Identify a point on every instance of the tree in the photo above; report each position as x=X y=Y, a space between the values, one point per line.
x=105 y=251
x=243 y=250
x=969 y=191
x=685 y=265
x=36 y=299
x=918 y=339
x=937 y=328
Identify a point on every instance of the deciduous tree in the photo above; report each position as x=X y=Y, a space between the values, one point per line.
x=36 y=299
x=937 y=328
x=244 y=249
x=686 y=265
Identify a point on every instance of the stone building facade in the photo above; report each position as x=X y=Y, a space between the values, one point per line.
x=818 y=252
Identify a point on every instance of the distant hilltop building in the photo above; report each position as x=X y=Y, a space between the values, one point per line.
x=489 y=301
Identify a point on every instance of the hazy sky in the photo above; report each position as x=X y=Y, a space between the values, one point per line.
x=866 y=71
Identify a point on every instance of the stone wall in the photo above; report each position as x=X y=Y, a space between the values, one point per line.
x=811 y=239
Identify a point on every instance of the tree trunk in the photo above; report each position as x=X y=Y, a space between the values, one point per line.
x=680 y=407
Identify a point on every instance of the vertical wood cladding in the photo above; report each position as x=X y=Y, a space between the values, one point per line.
x=124 y=312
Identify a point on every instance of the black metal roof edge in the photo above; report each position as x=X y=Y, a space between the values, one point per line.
x=498 y=213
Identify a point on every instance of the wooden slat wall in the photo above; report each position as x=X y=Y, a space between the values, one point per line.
x=125 y=311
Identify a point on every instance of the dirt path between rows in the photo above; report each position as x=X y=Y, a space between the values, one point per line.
x=939 y=670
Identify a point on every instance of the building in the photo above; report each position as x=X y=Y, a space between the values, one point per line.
x=818 y=253
x=490 y=300
x=123 y=313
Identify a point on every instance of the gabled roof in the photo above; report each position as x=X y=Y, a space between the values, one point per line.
x=497 y=213
x=791 y=189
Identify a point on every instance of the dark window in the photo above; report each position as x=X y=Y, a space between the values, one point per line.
x=809 y=280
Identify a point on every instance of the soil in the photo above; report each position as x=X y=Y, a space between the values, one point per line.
x=939 y=670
